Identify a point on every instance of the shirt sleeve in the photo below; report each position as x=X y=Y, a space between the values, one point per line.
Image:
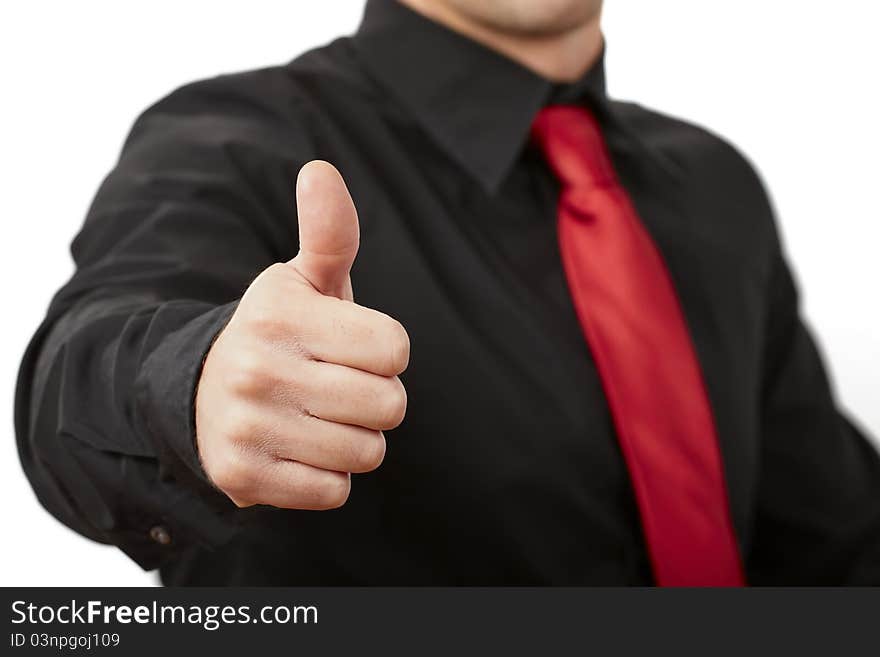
x=201 y=200
x=818 y=504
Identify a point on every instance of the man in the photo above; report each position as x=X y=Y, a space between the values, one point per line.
x=608 y=380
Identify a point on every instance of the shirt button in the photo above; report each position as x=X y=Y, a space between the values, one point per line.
x=160 y=535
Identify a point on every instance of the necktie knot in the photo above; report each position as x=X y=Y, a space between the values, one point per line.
x=571 y=141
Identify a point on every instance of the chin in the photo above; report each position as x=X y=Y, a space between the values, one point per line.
x=530 y=17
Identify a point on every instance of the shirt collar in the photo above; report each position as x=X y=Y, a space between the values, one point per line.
x=475 y=103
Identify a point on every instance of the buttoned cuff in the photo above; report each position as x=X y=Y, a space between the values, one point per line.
x=194 y=511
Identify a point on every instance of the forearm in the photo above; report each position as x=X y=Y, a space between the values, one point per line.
x=104 y=421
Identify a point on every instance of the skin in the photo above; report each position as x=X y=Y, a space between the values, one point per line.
x=297 y=389
x=558 y=39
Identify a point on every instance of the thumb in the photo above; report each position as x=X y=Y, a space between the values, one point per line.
x=328 y=229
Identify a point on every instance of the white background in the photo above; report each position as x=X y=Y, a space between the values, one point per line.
x=793 y=84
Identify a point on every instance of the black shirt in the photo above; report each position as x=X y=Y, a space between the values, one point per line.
x=506 y=469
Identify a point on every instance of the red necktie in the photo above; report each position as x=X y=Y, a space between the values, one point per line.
x=633 y=322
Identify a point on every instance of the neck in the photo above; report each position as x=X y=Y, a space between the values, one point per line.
x=560 y=57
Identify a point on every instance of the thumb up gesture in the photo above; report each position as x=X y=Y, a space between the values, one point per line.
x=296 y=390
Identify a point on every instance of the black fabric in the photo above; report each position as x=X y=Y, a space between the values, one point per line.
x=506 y=469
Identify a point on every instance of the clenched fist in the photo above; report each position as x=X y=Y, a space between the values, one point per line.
x=296 y=390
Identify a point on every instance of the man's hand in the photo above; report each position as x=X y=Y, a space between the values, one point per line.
x=296 y=390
